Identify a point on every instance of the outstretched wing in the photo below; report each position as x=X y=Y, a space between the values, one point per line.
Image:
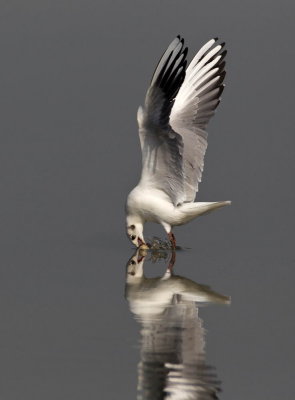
x=162 y=160
x=172 y=123
x=195 y=103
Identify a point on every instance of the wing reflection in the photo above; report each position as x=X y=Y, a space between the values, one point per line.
x=172 y=364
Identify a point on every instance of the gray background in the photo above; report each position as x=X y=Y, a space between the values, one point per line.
x=72 y=76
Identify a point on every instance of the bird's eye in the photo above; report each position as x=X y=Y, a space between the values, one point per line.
x=133 y=237
x=132 y=227
x=132 y=262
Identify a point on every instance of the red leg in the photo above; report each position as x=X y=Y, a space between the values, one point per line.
x=172 y=261
x=172 y=240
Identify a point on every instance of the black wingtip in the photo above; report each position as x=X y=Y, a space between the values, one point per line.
x=221 y=66
x=221 y=90
x=216 y=38
x=222 y=54
x=222 y=75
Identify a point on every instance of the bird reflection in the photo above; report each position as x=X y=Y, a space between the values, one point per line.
x=172 y=355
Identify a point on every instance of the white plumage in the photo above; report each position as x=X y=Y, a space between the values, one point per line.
x=173 y=138
x=172 y=337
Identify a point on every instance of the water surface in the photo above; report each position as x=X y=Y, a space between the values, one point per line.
x=76 y=323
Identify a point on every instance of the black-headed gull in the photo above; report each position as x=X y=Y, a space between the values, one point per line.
x=172 y=336
x=150 y=296
x=172 y=130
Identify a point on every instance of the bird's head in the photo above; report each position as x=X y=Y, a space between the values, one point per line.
x=135 y=265
x=134 y=230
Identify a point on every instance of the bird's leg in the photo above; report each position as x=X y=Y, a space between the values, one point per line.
x=172 y=240
x=172 y=261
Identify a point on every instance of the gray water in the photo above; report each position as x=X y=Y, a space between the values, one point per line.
x=76 y=324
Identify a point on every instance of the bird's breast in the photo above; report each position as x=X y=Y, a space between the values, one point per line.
x=151 y=204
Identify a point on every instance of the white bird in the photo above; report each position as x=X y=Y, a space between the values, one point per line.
x=151 y=296
x=172 y=336
x=173 y=138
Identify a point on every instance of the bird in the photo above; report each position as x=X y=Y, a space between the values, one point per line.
x=153 y=295
x=172 y=131
x=172 y=336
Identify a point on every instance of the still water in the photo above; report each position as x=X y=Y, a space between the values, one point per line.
x=79 y=321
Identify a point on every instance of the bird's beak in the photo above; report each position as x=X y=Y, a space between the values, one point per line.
x=142 y=251
x=139 y=242
x=140 y=258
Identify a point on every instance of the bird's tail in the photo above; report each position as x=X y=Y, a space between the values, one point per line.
x=193 y=210
x=206 y=296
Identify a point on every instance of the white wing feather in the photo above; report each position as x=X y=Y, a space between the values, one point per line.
x=172 y=123
x=195 y=103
